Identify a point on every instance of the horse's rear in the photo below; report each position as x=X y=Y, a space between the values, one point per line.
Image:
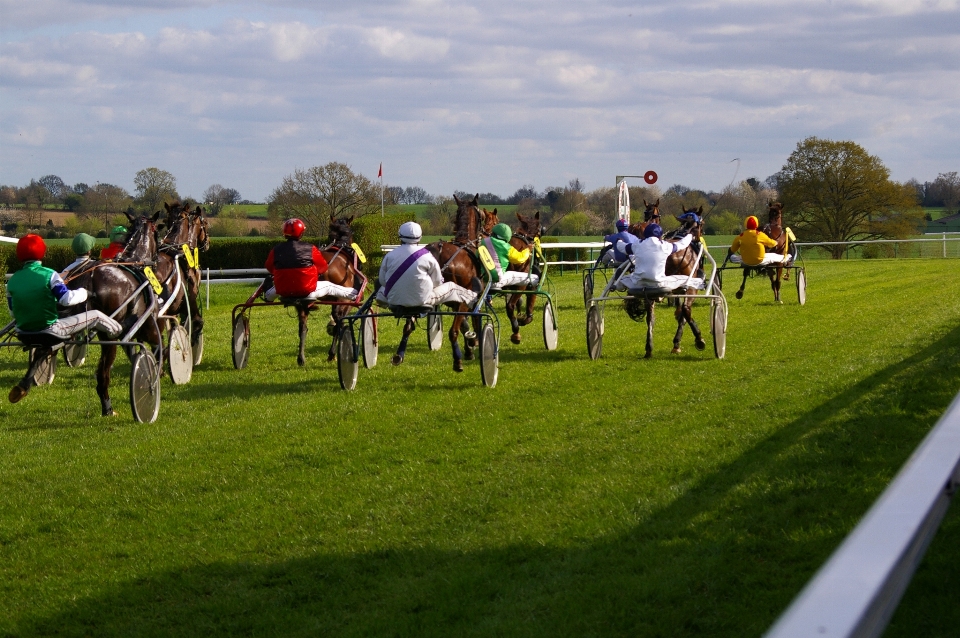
x=523 y=239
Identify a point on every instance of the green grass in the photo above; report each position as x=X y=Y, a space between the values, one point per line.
x=675 y=496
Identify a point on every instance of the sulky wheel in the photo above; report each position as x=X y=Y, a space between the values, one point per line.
x=47 y=368
x=718 y=325
x=801 y=286
x=347 y=364
x=587 y=288
x=241 y=341
x=434 y=332
x=369 y=341
x=196 y=345
x=594 y=332
x=550 y=329
x=180 y=356
x=144 y=387
x=489 y=355
x=75 y=353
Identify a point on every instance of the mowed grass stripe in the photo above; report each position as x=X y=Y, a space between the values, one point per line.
x=674 y=496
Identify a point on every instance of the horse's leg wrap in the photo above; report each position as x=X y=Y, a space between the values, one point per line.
x=301 y=354
x=457 y=357
x=649 y=350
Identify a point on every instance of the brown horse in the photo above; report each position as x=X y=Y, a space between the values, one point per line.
x=111 y=285
x=683 y=262
x=523 y=239
x=651 y=213
x=775 y=231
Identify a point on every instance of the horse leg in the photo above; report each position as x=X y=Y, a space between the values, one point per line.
x=408 y=329
x=531 y=301
x=453 y=334
x=743 y=284
x=338 y=313
x=681 y=319
x=20 y=390
x=650 y=307
x=512 y=316
x=302 y=316
x=108 y=355
x=775 y=276
x=687 y=307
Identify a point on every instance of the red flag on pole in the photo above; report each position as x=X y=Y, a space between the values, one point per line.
x=380 y=172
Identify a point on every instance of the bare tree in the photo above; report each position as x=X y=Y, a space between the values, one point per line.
x=946 y=189
x=106 y=201
x=154 y=188
x=319 y=193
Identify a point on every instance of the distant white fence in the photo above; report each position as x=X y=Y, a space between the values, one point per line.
x=857 y=590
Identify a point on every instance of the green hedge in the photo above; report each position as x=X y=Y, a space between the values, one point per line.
x=57 y=257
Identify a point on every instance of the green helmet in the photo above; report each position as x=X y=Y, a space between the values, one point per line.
x=502 y=231
x=82 y=244
x=118 y=234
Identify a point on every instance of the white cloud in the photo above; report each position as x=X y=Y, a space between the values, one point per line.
x=397 y=45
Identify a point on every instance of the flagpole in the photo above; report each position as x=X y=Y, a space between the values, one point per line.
x=380 y=175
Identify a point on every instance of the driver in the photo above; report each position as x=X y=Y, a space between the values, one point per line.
x=33 y=294
x=296 y=266
x=410 y=276
x=752 y=245
x=118 y=239
x=507 y=255
x=615 y=256
x=650 y=261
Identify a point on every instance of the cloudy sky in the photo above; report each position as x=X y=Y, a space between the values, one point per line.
x=474 y=96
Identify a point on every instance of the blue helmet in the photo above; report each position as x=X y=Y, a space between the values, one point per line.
x=688 y=217
x=652 y=230
x=622 y=225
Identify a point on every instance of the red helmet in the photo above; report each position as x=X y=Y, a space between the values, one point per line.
x=293 y=228
x=752 y=223
x=31 y=248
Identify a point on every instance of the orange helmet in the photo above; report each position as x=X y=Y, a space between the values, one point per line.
x=293 y=228
x=31 y=248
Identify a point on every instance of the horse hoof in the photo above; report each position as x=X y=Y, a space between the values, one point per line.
x=332 y=329
x=675 y=350
x=397 y=360
x=779 y=302
x=649 y=355
x=331 y=357
x=468 y=355
x=457 y=366
x=17 y=393
x=701 y=344
x=301 y=362
x=515 y=338
x=739 y=294
x=110 y=413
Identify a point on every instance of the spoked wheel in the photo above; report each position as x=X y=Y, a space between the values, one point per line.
x=718 y=325
x=347 y=364
x=196 y=344
x=550 y=329
x=801 y=286
x=181 y=356
x=75 y=353
x=489 y=355
x=587 y=288
x=47 y=369
x=434 y=332
x=594 y=332
x=241 y=341
x=144 y=387
x=368 y=338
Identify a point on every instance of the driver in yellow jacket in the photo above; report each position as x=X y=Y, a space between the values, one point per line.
x=752 y=245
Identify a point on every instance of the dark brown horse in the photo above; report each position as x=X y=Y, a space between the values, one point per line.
x=683 y=262
x=111 y=285
x=775 y=231
x=523 y=239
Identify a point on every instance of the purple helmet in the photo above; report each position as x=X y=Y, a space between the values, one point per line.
x=622 y=225
x=652 y=230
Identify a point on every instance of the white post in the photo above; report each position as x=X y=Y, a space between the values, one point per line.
x=208 y=287
x=944 y=245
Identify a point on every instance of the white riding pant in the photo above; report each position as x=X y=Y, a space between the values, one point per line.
x=450 y=292
x=772 y=258
x=91 y=319
x=516 y=278
x=323 y=289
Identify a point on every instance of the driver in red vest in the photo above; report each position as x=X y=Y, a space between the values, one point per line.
x=296 y=266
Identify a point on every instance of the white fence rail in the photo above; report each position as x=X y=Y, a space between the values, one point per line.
x=857 y=590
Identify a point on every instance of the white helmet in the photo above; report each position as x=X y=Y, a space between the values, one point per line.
x=410 y=233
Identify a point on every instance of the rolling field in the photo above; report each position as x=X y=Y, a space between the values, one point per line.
x=621 y=497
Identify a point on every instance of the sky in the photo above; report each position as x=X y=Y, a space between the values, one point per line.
x=471 y=96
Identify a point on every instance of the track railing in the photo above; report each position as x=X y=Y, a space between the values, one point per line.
x=859 y=587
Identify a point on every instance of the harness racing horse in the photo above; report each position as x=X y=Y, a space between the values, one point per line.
x=458 y=263
x=651 y=213
x=523 y=238
x=683 y=262
x=112 y=286
x=775 y=231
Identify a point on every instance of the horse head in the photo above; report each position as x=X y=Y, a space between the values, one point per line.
x=774 y=214
x=178 y=224
x=691 y=221
x=468 y=220
x=341 y=234
x=529 y=226
x=142 y=244
x=490 y=219
x=651 y=211
x=199 y=230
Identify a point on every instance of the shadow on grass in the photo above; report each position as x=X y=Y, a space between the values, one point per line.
x=725 y=557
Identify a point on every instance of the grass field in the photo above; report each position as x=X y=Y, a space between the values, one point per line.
x=621 y=497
